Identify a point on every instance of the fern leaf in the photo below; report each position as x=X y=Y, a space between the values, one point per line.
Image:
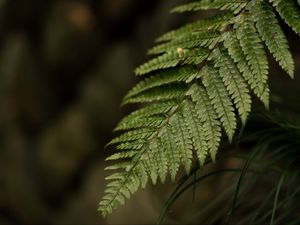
x=234 y=83
x=236 y=52
x=122 y=185
x=272 y=34
x=173 y=58
x=149 y=160
x=196 y=131
x=162 y=159
x=133 y=135
x=150 y=163
x=172 y=153
x=142 y=122
x=220 y=99
x=175 y=91
x=130 y=145
x=164 y=77
x=190 y=40
x=114 y=176
x=234 y=5
x=144 y=163
x=205 y=111
x=206 y=70
x=255 y=56
x=157 y=108
x=154 y=160
x=182 y=139
x=117 y=166
x=289 y=11
x=212 y=24
x=122 y=155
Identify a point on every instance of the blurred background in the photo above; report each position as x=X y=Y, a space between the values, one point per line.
x=64 y=67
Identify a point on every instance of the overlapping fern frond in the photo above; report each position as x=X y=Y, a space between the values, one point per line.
x=264 y=190
x=198 y=84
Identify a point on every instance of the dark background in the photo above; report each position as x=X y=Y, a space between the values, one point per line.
x=64 y=67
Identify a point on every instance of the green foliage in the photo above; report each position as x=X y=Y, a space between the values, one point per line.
x=236 y=5
x=199 y=84
x=234 y=83
x=172 y=58
x=219 y=98
x=289 y=11
x=256 y=58
x=265 y=189
x=271 y=33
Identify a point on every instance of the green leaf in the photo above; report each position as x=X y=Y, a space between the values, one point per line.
x=155 y=109
x=234 y=83
x=173 y=58
x=133 y=135
x=207 y=115
x=220 y=99
x=255 y=55
x=272 y=34
x=130 y=145
x=122 y=155
x=172 y=75
x=141 y=122
x=204 y=73
x=233 y=5
x=182 y=140
x=289 y=11
x=167 y=92
x=123 y=185
x=215 y=23
x=161 y=159
x=166 y=139
x=197 y=131
x=236 y=52
x=189 y=40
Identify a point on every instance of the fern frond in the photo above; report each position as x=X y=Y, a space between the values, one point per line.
x=234 y=83
x=152 y=162
x=182 y=140
x=121 y=155
x=161 y=159
x=146 y=162
x=164 y=77
x=272 y=34
x=289 y=11
x=121 y=186
x=234 y=5
x=207 y=115
x=157 y=108
x=173 y=58
x=174 y=91
x=220 y=99
x=141 y=122
x=190 y=40
x=120 y=165
x=204 y=74
x=196 y=131
x=133 y=135
x=236 y=52
x=215 y=23
x=165 y=139
x=130 y=145
x=255 y=55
